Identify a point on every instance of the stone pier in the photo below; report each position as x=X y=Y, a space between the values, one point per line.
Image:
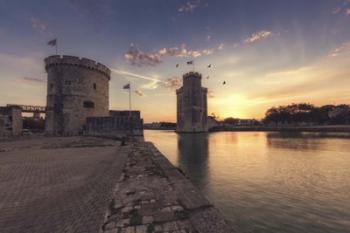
x=154 y=196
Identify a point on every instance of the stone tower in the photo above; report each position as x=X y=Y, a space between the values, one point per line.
x=76 y=89
x=192 y=105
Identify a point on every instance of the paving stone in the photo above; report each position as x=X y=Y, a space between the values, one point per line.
x=164 y=217
x=57 y=184
x=158 y=228
x=147 y=219
x=166 y=209
x=154 y=198
x=128 y=230
x=141 y=229
x=127 y=209
x=177 y=208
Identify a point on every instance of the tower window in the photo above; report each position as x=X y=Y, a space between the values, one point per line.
x=89 y=104
x=51 y=86
x=67 y=82
x=95 y=86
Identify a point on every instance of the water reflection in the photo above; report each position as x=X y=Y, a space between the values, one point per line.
x=193 y=157
x=292 y=140
x=268 y=182
x=302 y=140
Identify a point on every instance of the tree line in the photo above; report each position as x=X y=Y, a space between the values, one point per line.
x=304 y=113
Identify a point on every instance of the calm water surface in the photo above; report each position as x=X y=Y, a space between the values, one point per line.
x=268 y=182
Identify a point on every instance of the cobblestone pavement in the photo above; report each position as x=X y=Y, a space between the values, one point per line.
x=52 y=185
x=154 y=196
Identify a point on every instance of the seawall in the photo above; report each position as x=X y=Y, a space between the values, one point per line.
x=152 y=195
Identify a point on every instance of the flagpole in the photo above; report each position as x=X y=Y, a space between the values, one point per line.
x=56 y=47
x=129 y=100
x=130 y=118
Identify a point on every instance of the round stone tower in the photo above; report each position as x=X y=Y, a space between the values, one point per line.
x=77 y=88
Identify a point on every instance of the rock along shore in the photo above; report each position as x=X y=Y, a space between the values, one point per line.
x=154 y=196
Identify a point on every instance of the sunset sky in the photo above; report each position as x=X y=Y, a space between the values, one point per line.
x=269 y=52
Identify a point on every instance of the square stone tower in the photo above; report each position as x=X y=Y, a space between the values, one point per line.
x=192 y=109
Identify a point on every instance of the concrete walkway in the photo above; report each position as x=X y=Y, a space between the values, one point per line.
x=52 y=185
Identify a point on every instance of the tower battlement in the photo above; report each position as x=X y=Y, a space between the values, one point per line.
x=192 y=74
x=77 y=61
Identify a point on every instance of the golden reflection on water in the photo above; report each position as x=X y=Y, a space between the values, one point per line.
x=268 y=182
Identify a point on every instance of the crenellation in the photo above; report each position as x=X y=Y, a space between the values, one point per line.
x=76 y=61
x=88 y=62
x=192 y=74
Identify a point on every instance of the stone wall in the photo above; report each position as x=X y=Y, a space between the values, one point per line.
x=11 y=122
x=119 y=124
x=76 y=89
x=125 y=113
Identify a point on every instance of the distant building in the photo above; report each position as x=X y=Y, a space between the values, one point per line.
x=160 y=125
x=192 y=105
x=247 y=122
x=11 y=121
x=213 y=123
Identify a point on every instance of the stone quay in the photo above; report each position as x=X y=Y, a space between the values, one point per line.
x=90 y=184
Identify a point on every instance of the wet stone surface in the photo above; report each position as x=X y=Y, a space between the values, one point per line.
x=154 y=196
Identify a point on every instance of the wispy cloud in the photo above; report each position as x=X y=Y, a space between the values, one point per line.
x=133 y=75
x=258 y=36
x=211 y=94
x=138 y=92
x=208 y=39
x=189 y=6
x=153 y=83
x=343 y=8
x=347 y=12
x=37 y=80
x=138 y=57
x=344 y=48
x=336 y=10
x=172 y=83
x=40 y=26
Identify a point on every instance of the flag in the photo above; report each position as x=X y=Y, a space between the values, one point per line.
x=52 y=42
x=127 y=86
x=190 y=62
